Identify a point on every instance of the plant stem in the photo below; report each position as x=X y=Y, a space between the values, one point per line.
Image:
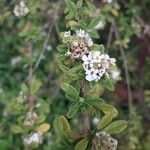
x=117 y=34
x=31 y=98
x=86 y=121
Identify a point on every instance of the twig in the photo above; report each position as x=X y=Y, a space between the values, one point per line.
x=109 y=37
x=31 y=98
x=126 y=69
x=43 y=49
x=86 y=121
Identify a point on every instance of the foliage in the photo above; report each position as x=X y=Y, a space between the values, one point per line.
x=49 y=99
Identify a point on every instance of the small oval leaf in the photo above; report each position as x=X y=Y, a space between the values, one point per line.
x=43 y=127
x=116 y=127
x=106 y=119
x=82 y=145
x=72 y=110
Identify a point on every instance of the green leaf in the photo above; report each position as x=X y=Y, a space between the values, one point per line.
x=73 y=109
x=94 y=22
x=71 y=92
x=93 y=99
x=69 y=16
x=82 y=24
x=97 y=47
x=108 y=109
x=5 y=144
x=24 y=88
x=105 y=120
x=35 y=86
x=16 y=129
x=79 y=4
x=91 y=6
x=64 y=69
x=40 y=119
x=116 y=127
x=62 y=48
x=58 y=128
x=72 y=9
x=107 y=83
x=65 y=124
x=71 y=98
x=94 y=34
x=82 y=145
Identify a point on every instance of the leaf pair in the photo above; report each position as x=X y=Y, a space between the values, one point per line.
x=105 y=122
x=107 y=83
x=62 y=128
x=71 y=10
x=78 y=103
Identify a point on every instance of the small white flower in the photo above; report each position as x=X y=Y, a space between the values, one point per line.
x=115 y=74
x=16 y=60
x=30 y=118
x=21 y=9
x=107 y=1
x=75 y=43
x=95 y=120
x=96 y=65
x=85 y=36
x=100 y=25
x=112 y=61
x=22 y=4
x=48 y=47
x=33 y=138
x=87 y=58
x=67 y=34
x=81 y=33
x=90 y=42
x=22 y=97
x=96 y=56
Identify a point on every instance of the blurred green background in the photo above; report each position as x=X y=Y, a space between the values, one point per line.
x=124 y=31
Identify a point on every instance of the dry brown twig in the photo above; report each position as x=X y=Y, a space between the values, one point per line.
x=125 y=62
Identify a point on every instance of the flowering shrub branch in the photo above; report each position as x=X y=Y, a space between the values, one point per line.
x=86 y=65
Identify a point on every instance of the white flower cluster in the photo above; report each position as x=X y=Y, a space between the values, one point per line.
x=16 y=60
x=78 y=43
x=107 y=1
x=30 y=118
x=96 y=65
x=104 y=141
x=33 y=138
x=82 y=35
x=22 y=97
x=85 y=36
x=21 y=9
x=115 y=75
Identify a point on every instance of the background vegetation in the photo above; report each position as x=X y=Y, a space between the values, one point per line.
x=28 y=52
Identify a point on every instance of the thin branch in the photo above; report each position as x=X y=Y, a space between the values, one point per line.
x=43 y=49
x=86 y=121
x=31 y=98
x=109 y=37
x=118 y=37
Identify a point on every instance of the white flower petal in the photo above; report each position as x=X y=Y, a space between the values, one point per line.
x=89 y=78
